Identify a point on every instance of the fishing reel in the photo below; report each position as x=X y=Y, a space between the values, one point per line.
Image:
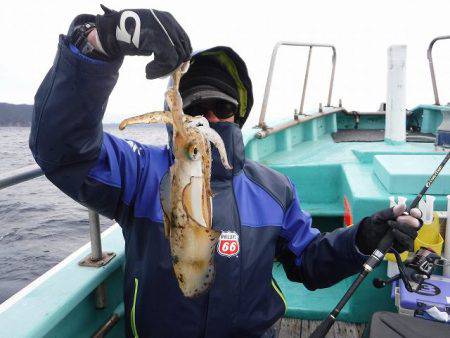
x=415 y=270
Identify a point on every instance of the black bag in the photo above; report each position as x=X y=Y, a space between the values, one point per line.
x=394 y=325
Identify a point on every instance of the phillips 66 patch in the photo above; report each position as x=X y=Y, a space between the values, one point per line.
x=228 y=244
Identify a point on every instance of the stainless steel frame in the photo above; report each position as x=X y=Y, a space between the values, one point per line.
x=262 y=117
x=430 y=61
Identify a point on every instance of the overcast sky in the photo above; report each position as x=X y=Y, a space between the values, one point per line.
x=360 y=30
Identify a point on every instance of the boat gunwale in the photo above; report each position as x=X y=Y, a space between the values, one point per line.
x=31 y=297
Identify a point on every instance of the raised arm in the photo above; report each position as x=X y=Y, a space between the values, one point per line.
x=67 y=140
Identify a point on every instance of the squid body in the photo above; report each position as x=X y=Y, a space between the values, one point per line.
x=185 y=191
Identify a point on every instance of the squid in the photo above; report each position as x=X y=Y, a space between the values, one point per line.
x=185 y=191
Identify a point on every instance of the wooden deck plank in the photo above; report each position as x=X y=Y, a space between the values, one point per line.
x=290 y=327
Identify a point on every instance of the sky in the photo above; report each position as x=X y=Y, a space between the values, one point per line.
x=361 y=31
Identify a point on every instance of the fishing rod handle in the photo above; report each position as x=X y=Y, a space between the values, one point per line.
x=386 y=242
x=326 y=324
x=378 y=254
x=323 y=328
x=375 y=258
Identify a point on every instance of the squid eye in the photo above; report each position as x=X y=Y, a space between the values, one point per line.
x=192 y=152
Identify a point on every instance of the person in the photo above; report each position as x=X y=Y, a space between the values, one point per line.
x=254 y=207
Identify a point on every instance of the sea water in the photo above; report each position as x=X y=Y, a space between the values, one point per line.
x=40 y=225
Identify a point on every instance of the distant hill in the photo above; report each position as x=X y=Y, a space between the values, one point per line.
x=15 y=114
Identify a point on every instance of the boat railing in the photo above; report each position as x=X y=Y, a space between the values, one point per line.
x=430 y=61
x=262 y=124
x=97 y=257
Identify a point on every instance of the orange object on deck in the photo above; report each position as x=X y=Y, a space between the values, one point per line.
x=348 y=217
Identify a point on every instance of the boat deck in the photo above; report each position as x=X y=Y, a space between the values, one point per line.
x=325 y=151
x=324 y=171
x=288 y=328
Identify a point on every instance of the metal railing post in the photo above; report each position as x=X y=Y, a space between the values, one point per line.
x=96 y=242
x=262 y=117
x=430 y=62
x=97 y=257
x=333 y=69
x=305 y=82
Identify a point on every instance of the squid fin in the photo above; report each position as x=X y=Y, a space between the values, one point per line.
x=194 y=266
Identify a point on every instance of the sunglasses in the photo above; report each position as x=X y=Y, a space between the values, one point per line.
x=222 y=109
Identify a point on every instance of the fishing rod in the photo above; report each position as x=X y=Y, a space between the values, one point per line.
x=374 y=260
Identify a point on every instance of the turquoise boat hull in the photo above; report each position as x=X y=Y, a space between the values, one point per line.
x=62 y=302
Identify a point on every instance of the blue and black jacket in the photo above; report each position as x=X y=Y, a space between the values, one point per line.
x=120 y=179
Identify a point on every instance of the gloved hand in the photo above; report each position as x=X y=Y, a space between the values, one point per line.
x=404 y=228
x=144 y=32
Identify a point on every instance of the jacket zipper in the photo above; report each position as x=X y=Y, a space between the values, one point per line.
x=133 y=309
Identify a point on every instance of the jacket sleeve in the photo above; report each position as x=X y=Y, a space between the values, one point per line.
x=314 y=259
x=98 y=170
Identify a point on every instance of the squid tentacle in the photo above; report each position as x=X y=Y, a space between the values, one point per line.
x=153 y=117
x=202 y=125
x=212 y=136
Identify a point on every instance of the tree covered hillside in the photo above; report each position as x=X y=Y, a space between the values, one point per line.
x=15 y=114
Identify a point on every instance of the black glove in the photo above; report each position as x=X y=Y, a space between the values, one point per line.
x=404 y=228
x=144 y=32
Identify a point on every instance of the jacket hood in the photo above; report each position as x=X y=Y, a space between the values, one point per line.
x=224 y=69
